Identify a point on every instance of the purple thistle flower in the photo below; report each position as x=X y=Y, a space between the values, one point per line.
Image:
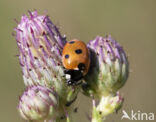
x=38 y=103
x=40 y=46
x=40 y=55
x=109 y=67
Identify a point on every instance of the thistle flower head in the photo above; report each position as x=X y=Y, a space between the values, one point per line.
x=106 y=106
x=40 y=45
x=109 y=104
x=109 y=67
x=40 y=55
x=38 y=103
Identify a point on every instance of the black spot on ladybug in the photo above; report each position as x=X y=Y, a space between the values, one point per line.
x=66 y=56
x=78 y=51
x=71 y=42
x=81 y=66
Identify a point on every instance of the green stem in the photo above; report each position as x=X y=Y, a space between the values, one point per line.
x=96 y=116
x=68 y=120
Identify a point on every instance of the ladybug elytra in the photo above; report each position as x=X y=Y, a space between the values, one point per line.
x=76 y=61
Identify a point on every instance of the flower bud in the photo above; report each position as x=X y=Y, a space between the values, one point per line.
x=109 y=67
x=40 y=46
x=40 y=54
x=38 y=103
x=109 y=104
x=106 y=106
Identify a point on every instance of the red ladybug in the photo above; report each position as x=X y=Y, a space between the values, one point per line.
x=76 y=61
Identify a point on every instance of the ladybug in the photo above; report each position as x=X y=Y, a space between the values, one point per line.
x=76 y=61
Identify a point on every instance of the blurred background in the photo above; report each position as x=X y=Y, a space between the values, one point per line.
x=131 y=22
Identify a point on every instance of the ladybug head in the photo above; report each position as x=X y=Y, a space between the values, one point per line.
x=73 y=77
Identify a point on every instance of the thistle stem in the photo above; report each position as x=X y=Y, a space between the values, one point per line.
x=96 y=117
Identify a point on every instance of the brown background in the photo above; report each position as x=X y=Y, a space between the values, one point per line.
x=131 y=22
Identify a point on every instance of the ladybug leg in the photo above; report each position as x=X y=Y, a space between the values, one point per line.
x=70 y=102
x=85 y=85
x=78 y=83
